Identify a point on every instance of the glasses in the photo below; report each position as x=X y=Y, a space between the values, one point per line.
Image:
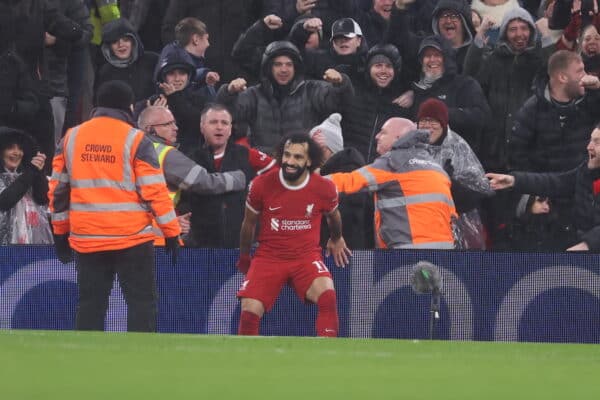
x=429 y=121
x=165 y=124
x=450 y=15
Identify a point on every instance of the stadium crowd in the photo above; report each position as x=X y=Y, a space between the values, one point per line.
x=491 y=86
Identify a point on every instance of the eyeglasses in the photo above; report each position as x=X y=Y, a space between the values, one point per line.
x=165 y=124
x=429 y=121
x=450 y=15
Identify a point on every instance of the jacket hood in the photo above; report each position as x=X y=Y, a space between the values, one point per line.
x=10 y=136
x=523 y=15
x=111 y=32
x=174 y=57
x=443 y=45
x=463 y=8
x=414 y=138
x=282 y=48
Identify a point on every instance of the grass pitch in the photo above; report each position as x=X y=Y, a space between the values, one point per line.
x=86 y=365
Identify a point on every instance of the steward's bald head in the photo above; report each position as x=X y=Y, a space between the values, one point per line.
x=392 y=130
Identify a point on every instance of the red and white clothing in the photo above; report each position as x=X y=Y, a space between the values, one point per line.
x=260 y=162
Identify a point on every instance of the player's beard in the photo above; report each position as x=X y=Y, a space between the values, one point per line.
x=292 y=176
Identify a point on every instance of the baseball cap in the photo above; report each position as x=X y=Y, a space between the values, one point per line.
x=346 y=27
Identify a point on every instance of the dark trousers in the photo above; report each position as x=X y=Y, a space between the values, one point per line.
x=135 y=270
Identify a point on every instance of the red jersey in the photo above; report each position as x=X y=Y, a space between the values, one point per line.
x=259 y=161
x=290 y=216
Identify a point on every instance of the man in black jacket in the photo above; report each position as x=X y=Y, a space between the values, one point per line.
x=583 y=181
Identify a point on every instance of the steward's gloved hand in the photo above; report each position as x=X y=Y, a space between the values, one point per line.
x=63 y=250
x=171 y=248
x=243 y=264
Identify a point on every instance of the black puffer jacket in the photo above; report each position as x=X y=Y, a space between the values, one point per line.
x=586 y=204
x=506 y=78
x=366 y=111
x=273 y=111
x=317 y=61
x=217 y=219
x=468 y=108
x=549 y=137
x=139 y=71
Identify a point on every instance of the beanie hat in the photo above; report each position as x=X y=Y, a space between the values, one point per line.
x=115 y=94
x=435 y=109
x=332 y=132
x=524 y=205
x=380 y=59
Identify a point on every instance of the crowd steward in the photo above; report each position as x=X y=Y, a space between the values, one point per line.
x=466 y=86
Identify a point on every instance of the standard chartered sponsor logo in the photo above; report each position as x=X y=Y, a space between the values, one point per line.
x=290 y=224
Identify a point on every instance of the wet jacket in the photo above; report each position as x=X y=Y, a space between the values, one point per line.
x=468 y=109
x=106 y=190
x=413 y=202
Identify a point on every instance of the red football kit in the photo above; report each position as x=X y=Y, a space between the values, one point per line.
x=288 y=242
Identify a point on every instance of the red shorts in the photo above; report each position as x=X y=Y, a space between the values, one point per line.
x=266 y=278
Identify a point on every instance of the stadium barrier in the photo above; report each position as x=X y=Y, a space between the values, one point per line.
x=486 y=296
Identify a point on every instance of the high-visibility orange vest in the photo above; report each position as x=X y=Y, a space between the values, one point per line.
x=107 y=188
x=412 y=209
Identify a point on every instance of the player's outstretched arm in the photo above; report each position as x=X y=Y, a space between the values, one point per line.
x=336 y=245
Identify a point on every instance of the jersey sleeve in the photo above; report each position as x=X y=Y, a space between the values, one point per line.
x=330 y=196
x=259 y=161
x=254 y=201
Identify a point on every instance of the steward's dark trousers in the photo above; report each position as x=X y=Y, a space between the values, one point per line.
x=135 y=270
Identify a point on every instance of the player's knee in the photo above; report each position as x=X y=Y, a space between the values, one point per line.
x=253 y=306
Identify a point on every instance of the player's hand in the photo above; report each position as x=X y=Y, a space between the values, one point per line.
x=243 y=263
x=237 y=85
x=273 y=22
x=332 y=76
x=212 y=78
x=340 y=252
x=500 y=181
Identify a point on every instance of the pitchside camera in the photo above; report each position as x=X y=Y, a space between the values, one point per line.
x=425 y=278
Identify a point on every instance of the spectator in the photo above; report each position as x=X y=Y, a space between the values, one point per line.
x=583 y=181
x=191 y=34
x=373 y=102
x=413 y=202
x=346 y=53
x=533 y=227
x=145 y=16
x=216 y=219
x=585 y=40
x=468 y=109
x=23 y=191
x=452 y=20
x=173 y=77
x=284 y=102
x=126 y=59
x=292 y=196
x=57 y=52
x=505 y=73
x=493 y=11
x=106 y=190
x=229 y=18
x=550 y=130
x=19 y=102
x=337 y=158
x=374 y=21
x=180 y=172
x=469 y=184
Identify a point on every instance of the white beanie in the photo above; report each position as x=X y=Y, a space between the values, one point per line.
x=332 y=132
